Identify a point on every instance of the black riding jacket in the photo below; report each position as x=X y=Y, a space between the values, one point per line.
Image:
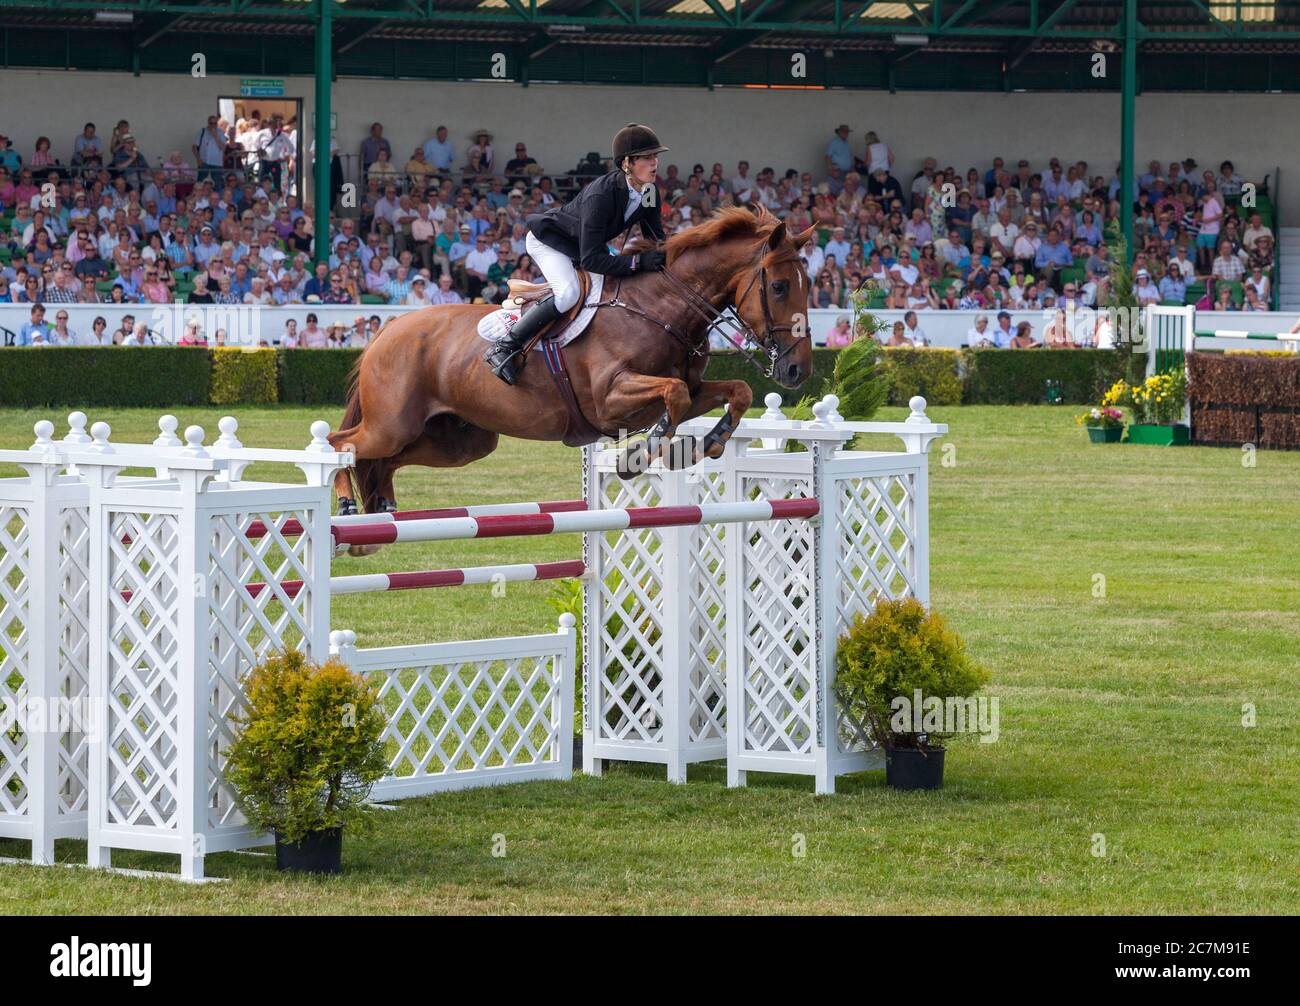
x=583 y=227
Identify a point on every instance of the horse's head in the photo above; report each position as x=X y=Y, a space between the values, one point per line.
x=771 y=298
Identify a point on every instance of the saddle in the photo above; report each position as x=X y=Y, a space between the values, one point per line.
x=524 y=295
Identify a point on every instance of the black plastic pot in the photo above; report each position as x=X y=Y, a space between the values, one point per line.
x=318 y=852
x=911 y=768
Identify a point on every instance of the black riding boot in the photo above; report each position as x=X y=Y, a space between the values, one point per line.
x=505 y=357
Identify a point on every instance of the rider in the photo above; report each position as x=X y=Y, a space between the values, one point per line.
x=579 y=233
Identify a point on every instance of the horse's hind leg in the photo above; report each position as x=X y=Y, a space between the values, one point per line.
x=370 y=443
x=447 y=442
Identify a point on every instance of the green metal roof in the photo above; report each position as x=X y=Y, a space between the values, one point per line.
x=958 y=44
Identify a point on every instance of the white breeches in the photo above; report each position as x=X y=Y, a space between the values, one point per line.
x=557 y=269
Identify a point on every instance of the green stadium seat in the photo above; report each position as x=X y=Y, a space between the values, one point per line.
x=373 y=298
x=1072 y=274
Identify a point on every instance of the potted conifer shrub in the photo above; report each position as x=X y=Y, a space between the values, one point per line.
x=306 y=755
x=889 y=661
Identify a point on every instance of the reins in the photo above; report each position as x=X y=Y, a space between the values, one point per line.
x=751 y=345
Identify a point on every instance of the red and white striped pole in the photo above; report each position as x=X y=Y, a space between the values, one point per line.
x=368 y=583
x=519 y=525
x=290 y=528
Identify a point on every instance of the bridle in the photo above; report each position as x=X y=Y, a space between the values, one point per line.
x=751 y=345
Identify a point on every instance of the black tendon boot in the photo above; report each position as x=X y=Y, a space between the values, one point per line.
x=505 y=357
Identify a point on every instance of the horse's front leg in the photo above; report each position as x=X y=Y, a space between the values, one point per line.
x=624 y=408
x=632 y=393
x=737 y=396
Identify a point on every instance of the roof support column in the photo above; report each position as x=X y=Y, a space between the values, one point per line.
x=324 y=72
x=1128 y=111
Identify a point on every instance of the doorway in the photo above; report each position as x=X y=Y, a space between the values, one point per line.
x=241 y=110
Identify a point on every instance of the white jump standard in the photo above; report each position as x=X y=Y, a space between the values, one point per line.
x=712 y=599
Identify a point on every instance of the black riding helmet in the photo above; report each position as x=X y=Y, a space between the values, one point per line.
x=635 y=140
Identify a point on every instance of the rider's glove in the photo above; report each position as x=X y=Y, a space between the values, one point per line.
x=651 y=261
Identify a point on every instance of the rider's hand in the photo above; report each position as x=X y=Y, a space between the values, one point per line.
x=651 y=261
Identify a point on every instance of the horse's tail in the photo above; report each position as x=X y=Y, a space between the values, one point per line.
x=367 y=473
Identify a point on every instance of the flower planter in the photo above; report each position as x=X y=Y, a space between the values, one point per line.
x=911 y=768
x=1105 y=434
x=1162 y=435
x=318 y=852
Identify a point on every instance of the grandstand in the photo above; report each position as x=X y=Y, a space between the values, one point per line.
x=211 y=196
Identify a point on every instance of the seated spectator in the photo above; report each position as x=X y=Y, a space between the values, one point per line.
x=898 y=336
x=840 y=335
x=1144 y=290
x=312 y=335
x=912 y=329
x=284 y=291
x=192 y=335
x=1173 y=287
x=418 y=296
x=1053 y=256
x=153 y=290
x=87 y=294
x=1227 y=266
x=1259 y=286
x=978 y=334
x=200 y=294
x=1024 y=338
x=1262 y=256
x=1057 y=335
x=1224 y=300
x=444 y=294
x=36 y=331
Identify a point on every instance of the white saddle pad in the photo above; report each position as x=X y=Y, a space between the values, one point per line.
x=495 y=326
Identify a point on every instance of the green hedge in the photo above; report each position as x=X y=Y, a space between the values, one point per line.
x=729 y=365
x=84 y=376
x=1019 y=377
x=244 y=377
x=315 y=376
x=932 y=373
x=157 y=376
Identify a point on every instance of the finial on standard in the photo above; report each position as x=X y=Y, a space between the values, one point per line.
x=228 y=425
x=194 y=442
x=773 y=402
x=100 y=433
x=917 y=404
x=44 y=431
x=167 y=432
x=320 y=431
x=76 y=429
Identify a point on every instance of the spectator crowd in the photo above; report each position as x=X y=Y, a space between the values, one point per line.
x=446 y=224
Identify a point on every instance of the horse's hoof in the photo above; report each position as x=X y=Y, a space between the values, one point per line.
x=360 y=551
x=633 y=461
x=681 y=453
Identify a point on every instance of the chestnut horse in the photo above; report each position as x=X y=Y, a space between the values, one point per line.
x=421 y=394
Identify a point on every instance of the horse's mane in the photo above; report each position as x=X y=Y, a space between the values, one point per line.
x=727 y=222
